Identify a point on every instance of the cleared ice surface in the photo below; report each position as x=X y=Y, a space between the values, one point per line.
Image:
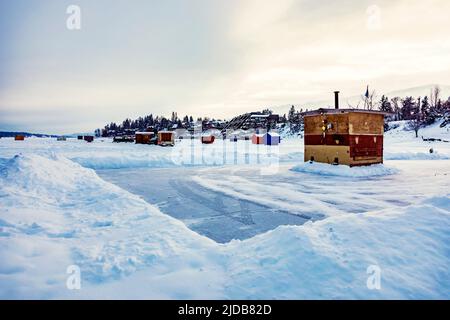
x=237 y=202
x=216 y=215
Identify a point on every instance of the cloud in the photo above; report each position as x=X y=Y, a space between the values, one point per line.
x=214 y=58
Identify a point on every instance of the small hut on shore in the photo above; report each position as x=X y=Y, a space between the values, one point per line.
x=88 y=138
x=272 y=138
x=208 y=139
x=19 y=137
x=166 y=138
x=258 y=138
x=144 y=137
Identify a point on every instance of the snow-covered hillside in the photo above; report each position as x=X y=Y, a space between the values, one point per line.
x=401 y=144
x=355 y=100
x=55 y=211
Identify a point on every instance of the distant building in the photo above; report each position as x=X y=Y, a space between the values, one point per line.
x=166 y=138
x=258 y=138
x=88 y=138
x=208 y=139
x=272 y=138
x=252 y=120
x=144 y=137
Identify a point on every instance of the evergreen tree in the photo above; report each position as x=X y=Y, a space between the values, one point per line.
x=291 y=114
x=385 y=105
x=425 y=111
x=425 y=107
x=150 y=120
x=408 y=107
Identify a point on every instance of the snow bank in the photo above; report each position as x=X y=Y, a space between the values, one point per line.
x=415 y=156
x=55 y=213
x=344 y=171
x=124 y=161
x=330 y=258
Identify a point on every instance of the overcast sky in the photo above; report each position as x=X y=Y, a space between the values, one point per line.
x=207 y=57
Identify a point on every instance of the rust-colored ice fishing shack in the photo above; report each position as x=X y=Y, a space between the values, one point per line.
x=19 y=137
x=144 y=137
x=352 y=137
x=166 y=138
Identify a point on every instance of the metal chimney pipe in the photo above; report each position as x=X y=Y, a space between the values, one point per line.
x=336 y=99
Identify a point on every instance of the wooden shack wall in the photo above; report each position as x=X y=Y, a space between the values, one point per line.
x=327 y=154
x=257 y=139
x=354 y=138
x=208 y=139
x=166 y=136
x=143 y=138
x=365 y=123
x=313 y=124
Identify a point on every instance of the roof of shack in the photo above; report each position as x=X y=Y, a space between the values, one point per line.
x=341 y=111
x=145 y=133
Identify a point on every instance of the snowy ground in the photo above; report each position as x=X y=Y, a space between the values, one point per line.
x=155 y=222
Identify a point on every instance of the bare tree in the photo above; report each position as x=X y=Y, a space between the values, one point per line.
x=370 y=101
x=350 y=106
x=415 y=124
x=435 y=96
x=395 y=102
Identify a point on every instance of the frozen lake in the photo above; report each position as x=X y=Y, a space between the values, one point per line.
x=57 y=212
x=212 y=214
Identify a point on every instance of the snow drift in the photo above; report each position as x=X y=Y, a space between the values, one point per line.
x=344 y=171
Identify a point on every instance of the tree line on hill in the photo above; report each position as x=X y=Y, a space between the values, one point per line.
x=150 y=121
x=418 y=111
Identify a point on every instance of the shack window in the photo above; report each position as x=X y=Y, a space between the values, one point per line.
x=338 y=139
